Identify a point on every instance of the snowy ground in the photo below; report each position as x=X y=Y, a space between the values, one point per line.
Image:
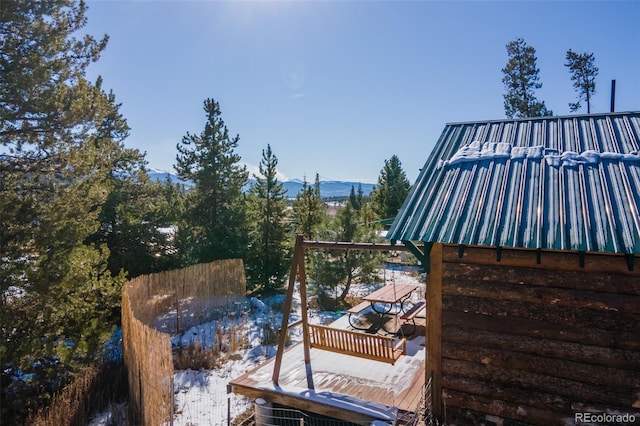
x=201 y=396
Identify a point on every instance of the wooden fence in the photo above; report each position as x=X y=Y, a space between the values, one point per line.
x=533 y=336
x=169 y=302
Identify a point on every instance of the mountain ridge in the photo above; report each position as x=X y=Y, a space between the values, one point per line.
x=328 y=188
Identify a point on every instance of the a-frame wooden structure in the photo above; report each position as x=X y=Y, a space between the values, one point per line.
x=298 y=271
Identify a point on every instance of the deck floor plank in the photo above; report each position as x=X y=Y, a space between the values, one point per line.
x=402 y=384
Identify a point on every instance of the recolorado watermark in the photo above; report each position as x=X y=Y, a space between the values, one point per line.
x=605 y=418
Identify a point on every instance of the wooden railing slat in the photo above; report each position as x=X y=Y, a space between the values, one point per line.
x=380 y=348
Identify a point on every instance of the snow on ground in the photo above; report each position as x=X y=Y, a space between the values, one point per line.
x=201 y=398
x=115 y=415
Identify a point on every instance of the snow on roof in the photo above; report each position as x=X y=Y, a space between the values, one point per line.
x=481 y=151
x=553 y=183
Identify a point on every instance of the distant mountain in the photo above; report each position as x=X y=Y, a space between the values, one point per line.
x=328 y=188
x=163 y=175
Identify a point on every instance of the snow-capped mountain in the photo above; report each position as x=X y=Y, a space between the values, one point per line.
x=328 y=189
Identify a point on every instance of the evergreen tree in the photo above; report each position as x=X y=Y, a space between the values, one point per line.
x=367 y=213
x=61 y=146
x=268 y=259
x=360 y=198
x=308 y=210
x=216 y=206
x=356 y=199
x=521 y=79
x=583 y=74
x=334 y=271
x=132 y=215
x=317 y=186
x=392 y=189
x=137 y=222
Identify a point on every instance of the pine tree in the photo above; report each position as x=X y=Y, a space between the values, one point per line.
x=356 y=199
x=335 y=271
x=583 y=74
x=308 y=210
x=392 y=189
x=216 y=216
x=521 y=79
x=136 y=222
x=61 y=146
x=131 y=214
x=360 y=198
x=268 y=259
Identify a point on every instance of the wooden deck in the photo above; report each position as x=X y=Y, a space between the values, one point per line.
x=339 y=385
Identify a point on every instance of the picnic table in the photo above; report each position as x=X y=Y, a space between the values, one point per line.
x=388 y=300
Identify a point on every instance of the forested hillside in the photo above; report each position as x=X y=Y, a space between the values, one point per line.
x=79 y=214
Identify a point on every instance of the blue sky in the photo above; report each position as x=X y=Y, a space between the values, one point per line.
x=338 y=87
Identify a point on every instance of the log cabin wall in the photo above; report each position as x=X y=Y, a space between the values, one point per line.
x=532 y=337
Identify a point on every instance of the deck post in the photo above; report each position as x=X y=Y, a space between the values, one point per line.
x=305 y=318
x=298 y=256
x=433 y=368
x=303 y=306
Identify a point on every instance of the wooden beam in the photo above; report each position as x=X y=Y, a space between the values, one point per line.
x=293 y=324
x=585 y=333
x=598 y=375
x=508 y=392
x=421 y=255
x=538 y=382
x=433 y=369
x=577 y=279
x=345 y=245
x=572 y=351
x=549 y=259
x=305 y=320
x=553 y=297
x=605 y=320
x=298 y=253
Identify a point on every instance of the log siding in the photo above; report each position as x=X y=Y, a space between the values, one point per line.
x=531 y=338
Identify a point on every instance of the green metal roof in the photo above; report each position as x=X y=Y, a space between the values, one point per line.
x=567 y=183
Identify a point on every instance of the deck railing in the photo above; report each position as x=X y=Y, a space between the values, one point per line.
x=370 y=346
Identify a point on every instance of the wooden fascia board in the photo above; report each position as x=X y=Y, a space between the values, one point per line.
x=301 y=403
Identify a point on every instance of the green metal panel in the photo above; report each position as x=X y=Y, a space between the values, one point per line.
x=565 y=183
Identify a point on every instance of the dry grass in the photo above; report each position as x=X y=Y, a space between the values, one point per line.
x=92 y=391
x=245 y=419
x=239 y=340
x=198 y=356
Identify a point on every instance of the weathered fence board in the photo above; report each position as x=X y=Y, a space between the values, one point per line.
x=169 y=302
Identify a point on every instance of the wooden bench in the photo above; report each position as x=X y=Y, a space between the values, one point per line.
x=359 y=307
x=414 y=311
x=409 y=317
x=353 y=314
x=370 y=346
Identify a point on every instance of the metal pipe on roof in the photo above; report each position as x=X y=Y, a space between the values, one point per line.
x=613 y=95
